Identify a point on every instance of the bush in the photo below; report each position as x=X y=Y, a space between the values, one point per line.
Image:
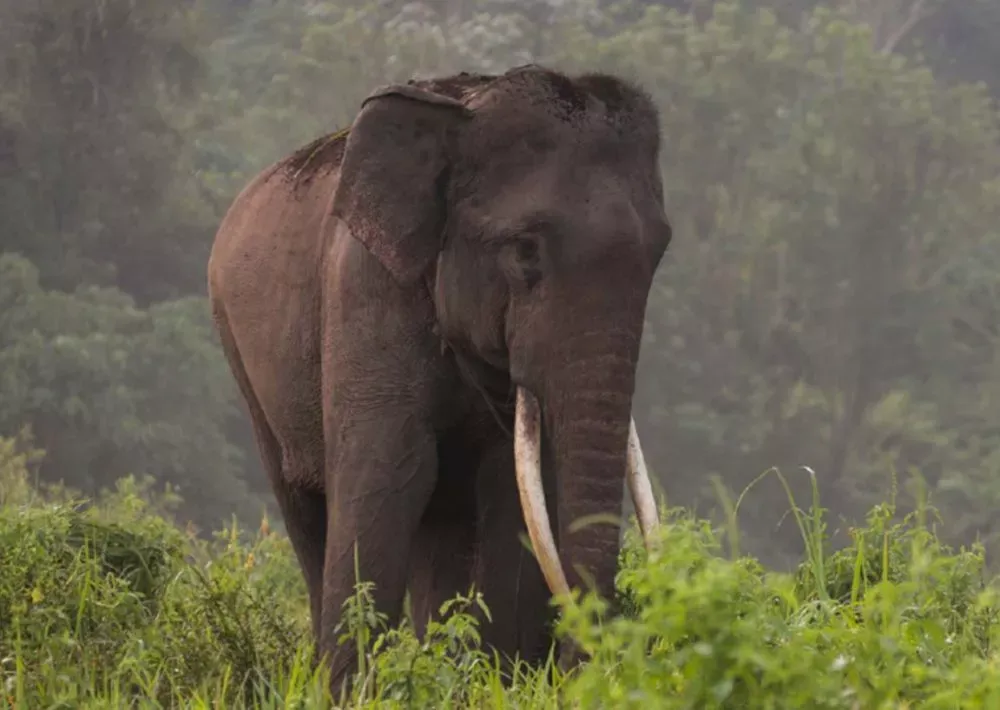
x=107 y=603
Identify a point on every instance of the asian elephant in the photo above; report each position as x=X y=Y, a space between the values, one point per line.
x=434 y=317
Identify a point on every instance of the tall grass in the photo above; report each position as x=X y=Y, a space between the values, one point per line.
x=110 y=605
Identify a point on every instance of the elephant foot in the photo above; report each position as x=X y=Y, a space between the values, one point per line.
x=342 y=686
x=341 y=664
x=570 y=656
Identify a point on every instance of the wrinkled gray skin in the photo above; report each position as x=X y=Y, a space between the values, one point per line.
x=380 y=294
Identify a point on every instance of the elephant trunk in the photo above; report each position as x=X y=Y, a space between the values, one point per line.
x=594 y=447
x=589 y=434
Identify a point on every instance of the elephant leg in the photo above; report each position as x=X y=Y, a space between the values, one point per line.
x=445 y=544
x=304 y=514
x=511 y=580
x=378 y=486
x=441 y=569
x=303 y=511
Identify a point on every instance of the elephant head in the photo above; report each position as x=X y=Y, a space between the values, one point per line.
x=531 y=205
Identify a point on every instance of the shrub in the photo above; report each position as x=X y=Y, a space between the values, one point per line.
x=107 y=603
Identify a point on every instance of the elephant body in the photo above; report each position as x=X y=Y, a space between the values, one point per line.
x=382 y=293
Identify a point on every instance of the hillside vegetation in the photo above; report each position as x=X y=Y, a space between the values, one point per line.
x=107 y=604
x=830 y=171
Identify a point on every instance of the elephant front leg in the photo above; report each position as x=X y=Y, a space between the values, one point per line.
x=378 y=485
x=506 y=571
x=441 y=567
x=445 y=545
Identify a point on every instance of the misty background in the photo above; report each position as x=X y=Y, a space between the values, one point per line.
x=832 y=173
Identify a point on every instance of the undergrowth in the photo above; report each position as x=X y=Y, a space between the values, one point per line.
x=107 y=604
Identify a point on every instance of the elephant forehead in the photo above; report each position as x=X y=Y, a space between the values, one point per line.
x=536 y=129
x=592 y=209
x=529 y=147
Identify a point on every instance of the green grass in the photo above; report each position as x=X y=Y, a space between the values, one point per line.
x=111 y=606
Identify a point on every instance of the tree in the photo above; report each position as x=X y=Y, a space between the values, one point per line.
x=110 y=389
x=828 y=299
x=89 y=145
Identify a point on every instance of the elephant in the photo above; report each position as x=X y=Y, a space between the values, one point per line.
x=434 y=318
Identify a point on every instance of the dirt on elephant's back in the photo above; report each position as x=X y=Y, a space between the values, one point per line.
x=325 y=152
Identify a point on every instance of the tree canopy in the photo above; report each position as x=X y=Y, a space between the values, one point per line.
x=832 y=173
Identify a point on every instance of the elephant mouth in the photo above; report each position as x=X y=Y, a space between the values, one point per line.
x=528 y=458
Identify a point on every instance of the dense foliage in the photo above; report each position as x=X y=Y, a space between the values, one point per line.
x=827 y=300
x=107 y=604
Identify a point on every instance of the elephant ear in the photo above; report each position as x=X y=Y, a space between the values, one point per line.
x=396 y=157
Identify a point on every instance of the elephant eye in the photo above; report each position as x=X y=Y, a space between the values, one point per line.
x=521 y=260
x=526 y=249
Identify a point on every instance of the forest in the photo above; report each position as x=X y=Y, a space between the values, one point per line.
x=829 y=167
x=831 y=174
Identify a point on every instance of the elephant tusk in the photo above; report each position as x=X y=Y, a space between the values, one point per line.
x=528 y=466
x=640 y=488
